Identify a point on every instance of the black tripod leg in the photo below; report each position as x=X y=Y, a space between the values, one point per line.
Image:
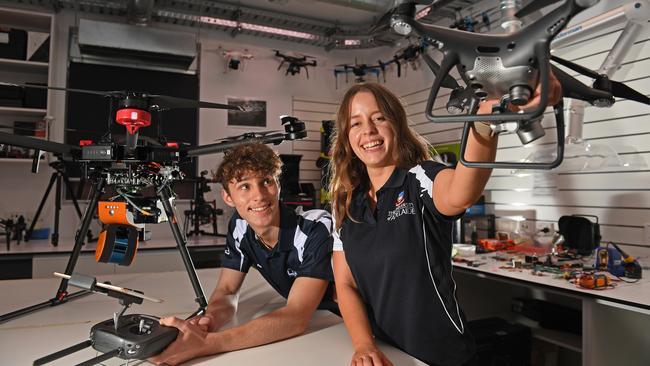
x=28 y=234
x=68 y=186
x=57 y=210
x=79 y=237
x=165 y=195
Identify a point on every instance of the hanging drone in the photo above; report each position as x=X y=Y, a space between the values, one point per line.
x=295 y=63
x=235 y=58
x=360 y=71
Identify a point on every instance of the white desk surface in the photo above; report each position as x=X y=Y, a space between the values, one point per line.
x=636 y=295
x=24 y=339
x=66 y=244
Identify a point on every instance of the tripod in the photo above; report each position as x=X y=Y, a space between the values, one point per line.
x=202 y=211
x=57 y=177
x=165 y=195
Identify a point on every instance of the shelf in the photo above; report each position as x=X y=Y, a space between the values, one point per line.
x=11 y=65
x=563 y=339
x=22 y=111
x=15 y=160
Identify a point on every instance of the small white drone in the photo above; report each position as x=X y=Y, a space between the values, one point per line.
x=234 y=59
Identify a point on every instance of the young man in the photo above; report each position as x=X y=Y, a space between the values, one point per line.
x=292 y=251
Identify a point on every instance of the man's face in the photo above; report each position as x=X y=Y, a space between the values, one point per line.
x=255 y=197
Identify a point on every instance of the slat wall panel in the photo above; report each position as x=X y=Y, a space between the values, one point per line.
x=312 y=112
x=618 y=195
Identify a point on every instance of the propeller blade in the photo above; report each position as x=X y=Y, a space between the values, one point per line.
x=573 y=88
x=534 y=6
x=83 y=91
x=575 y=67
x=32 y=143
x=167 y=102
x=623 y=91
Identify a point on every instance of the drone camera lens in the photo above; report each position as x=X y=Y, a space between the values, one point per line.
x=519 y=94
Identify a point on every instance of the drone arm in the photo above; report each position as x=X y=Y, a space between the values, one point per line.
x=31 y=143
x=572 y=88
x=447 y=81
x=227 y=145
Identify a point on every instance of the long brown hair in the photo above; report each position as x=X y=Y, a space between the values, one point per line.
x=346 y=170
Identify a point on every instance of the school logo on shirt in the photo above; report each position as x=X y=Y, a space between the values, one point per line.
x=400 y=199
x=291 y=272
x=401 y=208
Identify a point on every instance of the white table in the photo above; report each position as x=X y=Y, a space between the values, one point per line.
x=25 y=339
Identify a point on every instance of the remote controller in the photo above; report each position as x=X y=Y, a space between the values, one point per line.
x=138 y=336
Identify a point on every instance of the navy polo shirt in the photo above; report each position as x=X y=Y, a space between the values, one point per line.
x=304 y=250
x=400 y=258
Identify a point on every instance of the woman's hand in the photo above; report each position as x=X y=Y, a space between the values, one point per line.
x=369 y=356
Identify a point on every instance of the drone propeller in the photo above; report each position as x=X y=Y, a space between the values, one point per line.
x=158 y=102
x=604 y=83
x=572 y=88
x=247 y=135
x=536 y=5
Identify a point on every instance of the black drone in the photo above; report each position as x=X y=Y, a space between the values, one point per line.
x=507 y=67
x=360 y=71
x=140 y=173
x=295 y=63
x=409 y=55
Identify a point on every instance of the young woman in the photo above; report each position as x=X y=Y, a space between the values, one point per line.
x=393 y=210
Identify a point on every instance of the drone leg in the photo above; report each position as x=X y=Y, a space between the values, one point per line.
x=62 y=353
x=165 y=196
x=98 y=188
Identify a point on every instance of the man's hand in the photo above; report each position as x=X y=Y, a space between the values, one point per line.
x=205 y=322
x=369 y=356
x=190 y=343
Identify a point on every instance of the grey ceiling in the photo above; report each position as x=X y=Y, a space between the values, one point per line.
x=330 y=21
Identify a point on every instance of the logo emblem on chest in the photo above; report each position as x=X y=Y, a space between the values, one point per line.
x=401 y=207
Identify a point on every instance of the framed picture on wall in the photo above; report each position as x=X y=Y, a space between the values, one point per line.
x=252 y=115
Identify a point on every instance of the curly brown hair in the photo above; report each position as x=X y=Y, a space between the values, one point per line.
x=251 y=157
x=346 y=170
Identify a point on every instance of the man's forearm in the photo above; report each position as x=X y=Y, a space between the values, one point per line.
x=280 y=324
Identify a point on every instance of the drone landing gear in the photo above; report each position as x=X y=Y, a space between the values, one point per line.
x=62 y=295
x=59 y=176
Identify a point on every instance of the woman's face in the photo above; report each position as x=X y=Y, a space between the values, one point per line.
x=370 y=134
